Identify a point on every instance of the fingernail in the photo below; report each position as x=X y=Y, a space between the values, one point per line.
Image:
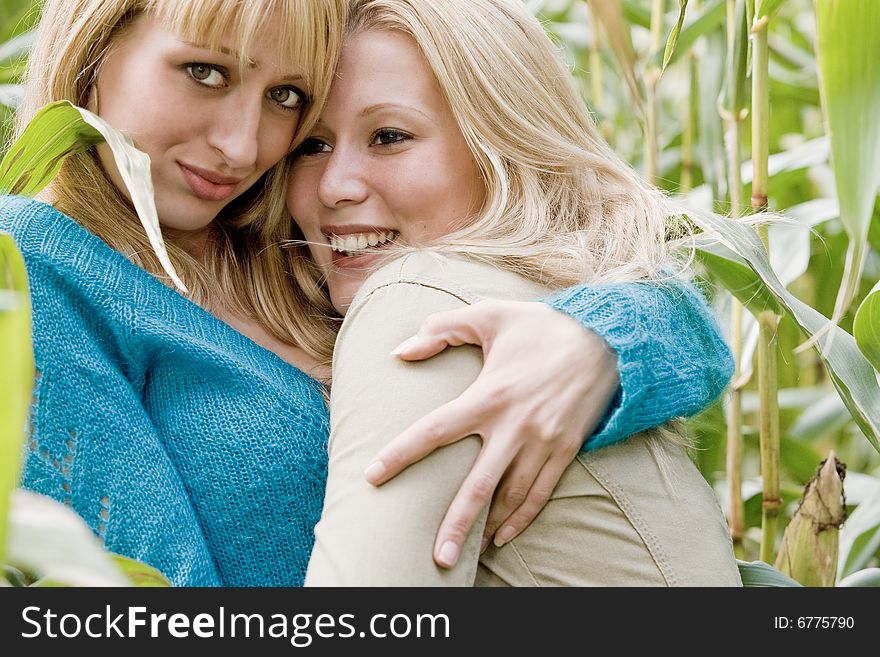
x=504 y=534
x=405 y=345
x=448 y=554
x=484 y=544
x=375 y=472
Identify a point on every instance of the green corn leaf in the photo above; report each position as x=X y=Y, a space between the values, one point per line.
x=760 y=574
x=823 y=417
x=735 y=93
x=13 y=53
x=866 y=327
x=708 y=20
x=139 y=573
x=798 y=459
x=636 y=13
x=867 y=577
x=804 y=155
x=767 y=7
x=848 y=51
x=16 y=17
x=850 y=371
x=738 y=278
x=17 y=373
x=55 y=133
x=860 y=536
x=54 y=546
x=710 y=145
x=60 y=130
x=673 y=35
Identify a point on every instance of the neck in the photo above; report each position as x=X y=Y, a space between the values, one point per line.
x=195 y=243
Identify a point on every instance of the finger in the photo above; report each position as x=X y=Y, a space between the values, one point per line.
x=446 y=424
x=535 y=501
x=515 y=486
x=474 y=494
x=450 y=328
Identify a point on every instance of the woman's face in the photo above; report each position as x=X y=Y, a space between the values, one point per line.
x=210 y=126
x=386 y=161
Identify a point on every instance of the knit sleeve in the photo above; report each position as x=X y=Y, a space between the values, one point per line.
x=672 y=359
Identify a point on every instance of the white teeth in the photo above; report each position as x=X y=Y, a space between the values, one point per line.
x=357 y=242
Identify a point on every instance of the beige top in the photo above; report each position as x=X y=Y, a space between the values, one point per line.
x=629 y=515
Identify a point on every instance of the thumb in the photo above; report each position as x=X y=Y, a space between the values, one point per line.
x=440 y=330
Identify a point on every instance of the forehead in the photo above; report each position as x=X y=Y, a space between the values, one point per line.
x=244 y=27
x=387 y=64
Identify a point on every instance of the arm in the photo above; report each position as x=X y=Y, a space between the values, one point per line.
x=672 y=360
x=385 y=536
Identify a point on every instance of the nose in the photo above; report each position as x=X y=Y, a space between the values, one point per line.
x=342 y=181
x=235 y=133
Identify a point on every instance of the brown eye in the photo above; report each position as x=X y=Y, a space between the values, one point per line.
x=312 y=146
x=389 y=136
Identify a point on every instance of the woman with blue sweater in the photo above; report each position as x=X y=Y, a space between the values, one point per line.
x=190 y=431
x=453 y=163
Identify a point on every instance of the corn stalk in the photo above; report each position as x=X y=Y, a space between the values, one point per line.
x=733 y=107
x=767 y=320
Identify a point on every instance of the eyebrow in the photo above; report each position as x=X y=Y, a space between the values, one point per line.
x=378 y=107
x=236 y=55
x=226 y=51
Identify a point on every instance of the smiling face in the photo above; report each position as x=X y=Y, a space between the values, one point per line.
x=385 y=163
x=211 y=126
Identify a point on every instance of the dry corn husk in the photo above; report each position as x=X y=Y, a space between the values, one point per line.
x=808 y=552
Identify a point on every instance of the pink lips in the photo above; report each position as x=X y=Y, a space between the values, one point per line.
x=209 y=185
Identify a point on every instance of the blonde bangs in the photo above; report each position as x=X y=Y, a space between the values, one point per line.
x=308 y=33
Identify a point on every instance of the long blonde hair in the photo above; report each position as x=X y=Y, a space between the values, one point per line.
x=562 y=207
x=244 y=272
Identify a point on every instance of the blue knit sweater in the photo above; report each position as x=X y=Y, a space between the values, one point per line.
x=186 y=445
x=181 y=442
x=672 y=359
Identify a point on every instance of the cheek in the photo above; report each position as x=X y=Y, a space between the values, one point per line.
x=274 y=151
x=302 y=195
x=275 y=143
x=442 y=198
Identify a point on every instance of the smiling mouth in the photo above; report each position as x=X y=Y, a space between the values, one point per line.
x=356 y=244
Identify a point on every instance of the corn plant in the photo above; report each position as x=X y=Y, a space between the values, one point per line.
x=798 y=81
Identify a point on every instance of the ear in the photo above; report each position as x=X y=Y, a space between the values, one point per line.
x=92 y=102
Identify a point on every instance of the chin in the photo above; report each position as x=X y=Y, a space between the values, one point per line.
x=341 y=300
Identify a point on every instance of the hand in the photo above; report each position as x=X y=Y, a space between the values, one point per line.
x=545 y=385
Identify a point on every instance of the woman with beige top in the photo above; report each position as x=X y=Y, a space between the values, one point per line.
x=454 y=163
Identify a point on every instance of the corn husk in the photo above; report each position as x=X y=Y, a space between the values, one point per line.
x=808 y=552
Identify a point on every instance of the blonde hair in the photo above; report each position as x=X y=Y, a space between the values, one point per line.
x=562 y=207
x=244 y=272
